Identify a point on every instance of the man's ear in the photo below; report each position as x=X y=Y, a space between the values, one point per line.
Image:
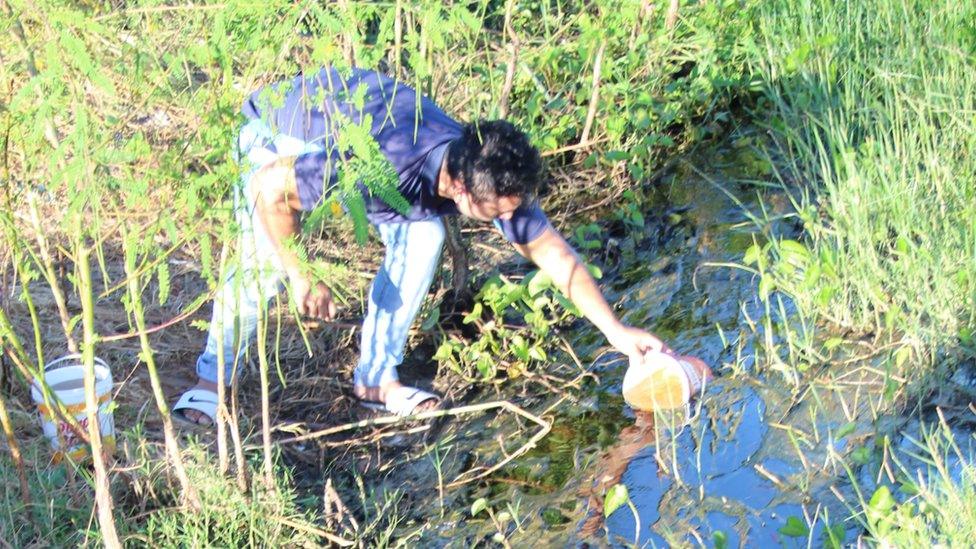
x=457 y=186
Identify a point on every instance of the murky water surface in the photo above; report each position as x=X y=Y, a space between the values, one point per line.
x=753 y=456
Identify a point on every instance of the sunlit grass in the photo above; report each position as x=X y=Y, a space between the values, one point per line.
x=873 y=108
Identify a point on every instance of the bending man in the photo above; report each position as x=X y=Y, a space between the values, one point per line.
x=488 y=171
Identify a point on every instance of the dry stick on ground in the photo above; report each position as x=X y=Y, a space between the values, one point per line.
x=544 y=425
x=594 y=94
x=169 y=434
x=333 y=505
x=103 y=493
x=18 y=460
x=52 y=279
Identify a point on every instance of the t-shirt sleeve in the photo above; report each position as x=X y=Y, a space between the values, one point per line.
x=313 y=173
x=526 y=224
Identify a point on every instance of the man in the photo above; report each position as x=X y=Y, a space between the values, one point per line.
x=486 y=171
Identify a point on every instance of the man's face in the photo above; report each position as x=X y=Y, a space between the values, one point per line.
x=487 y=210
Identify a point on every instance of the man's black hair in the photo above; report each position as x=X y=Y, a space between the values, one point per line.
x=495 y=159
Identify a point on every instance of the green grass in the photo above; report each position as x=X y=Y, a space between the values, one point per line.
x=931 y=505
x=872 y=109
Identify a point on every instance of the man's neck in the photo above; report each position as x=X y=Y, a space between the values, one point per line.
x=445 y=189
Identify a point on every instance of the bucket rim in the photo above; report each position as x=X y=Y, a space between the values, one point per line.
x=36 y=389
x=74 y=356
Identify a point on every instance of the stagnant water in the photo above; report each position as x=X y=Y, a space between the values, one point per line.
x=760 y=464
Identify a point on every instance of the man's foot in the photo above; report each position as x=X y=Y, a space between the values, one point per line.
x=196 y=416
x=379 y=394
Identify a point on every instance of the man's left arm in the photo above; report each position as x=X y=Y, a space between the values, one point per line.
x=555 y=257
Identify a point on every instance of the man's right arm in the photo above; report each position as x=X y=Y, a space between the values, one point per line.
x=277 y=205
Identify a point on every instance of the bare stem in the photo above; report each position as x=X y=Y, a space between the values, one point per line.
x=594 y=94
x=103 y=494
x=18 y=460
x=169 y=434
x=220 y=417
x=672 y=18
x=513 y=47
x=262 y=329
x=51 y=276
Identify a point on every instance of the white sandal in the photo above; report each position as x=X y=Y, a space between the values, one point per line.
x=402 y=401
x=201 y=400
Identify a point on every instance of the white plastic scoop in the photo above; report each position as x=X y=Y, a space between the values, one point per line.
x=660 y=381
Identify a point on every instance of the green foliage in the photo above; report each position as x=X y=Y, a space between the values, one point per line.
x=364 y=164
x=617 y=497
x=934 y=505
x=503 y=346
x=229 y=518
x=863 y=101
x=794 y=528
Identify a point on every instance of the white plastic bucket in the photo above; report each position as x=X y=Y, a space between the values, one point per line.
x=65 y=378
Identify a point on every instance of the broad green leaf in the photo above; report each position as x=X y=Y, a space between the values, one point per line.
x=475 y=314
x=845 y=430
x=538 y=353
x=478 y=506
x=835 y=536
x=616 y=497
x=752 y=254
x=539 y=283
x=794 y=528
x=444 y=352
x=902 y=355
x=431 y=320
x=832 y=343
x=882 y=501
x=861 y=455
x=766 y=286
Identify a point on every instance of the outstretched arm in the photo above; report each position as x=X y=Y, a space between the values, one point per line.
x=555 y=257
x=277 y=205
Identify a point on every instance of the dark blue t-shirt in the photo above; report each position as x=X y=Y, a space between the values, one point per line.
x=412 y=132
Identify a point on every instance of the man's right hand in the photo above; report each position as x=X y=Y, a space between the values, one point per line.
x=313 y=299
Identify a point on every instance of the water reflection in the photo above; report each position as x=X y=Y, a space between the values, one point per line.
x=612 y=466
